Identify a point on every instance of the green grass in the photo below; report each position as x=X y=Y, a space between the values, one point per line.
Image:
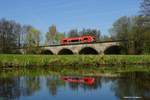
x=87 y=65
x=71 y=60
x=75 y=71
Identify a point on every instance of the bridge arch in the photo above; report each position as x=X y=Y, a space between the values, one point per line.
x=88 y=50
x=47 y=52
x=114 y=49
x=65 y=51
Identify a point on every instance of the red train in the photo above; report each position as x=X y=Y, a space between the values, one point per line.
x=82 y=39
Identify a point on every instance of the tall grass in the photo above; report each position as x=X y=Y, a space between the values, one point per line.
x=71 y=60
x=69 y=71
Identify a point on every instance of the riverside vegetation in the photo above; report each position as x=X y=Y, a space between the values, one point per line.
x=74 y=64
x=73 y=60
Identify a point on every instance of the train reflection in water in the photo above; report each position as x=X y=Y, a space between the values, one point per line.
x=84 y=80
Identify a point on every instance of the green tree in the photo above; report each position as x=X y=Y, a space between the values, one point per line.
x=32 y=39
x=136 y=31
x=73 y=33
x=50 y=35
x=58 y=37
x=121 y=31
x=145 y=11
x=92 y=32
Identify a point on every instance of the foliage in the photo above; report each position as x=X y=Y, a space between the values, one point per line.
x=92 y=32
x=10 y=33
x=73 y=33
x=58 y=37
x=73 y=65
x=32 y=40
x=135 y=31
x=120 y=31
x=145 y=12
x=50 y=35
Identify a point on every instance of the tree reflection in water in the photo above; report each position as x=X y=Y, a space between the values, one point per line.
x=30 y=85
x=9 y=88
x=13 y=88
x=133 y=84
x=53 y=83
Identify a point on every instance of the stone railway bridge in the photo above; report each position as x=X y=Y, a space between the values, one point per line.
x=88 y=48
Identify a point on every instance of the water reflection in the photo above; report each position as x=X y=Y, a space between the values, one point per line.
x=77 y=79
x=76 y=83
x=133 y=85
x=9 y=88
x=47 y=87
x=29 y=86
x=53 y=83
x=13 y=88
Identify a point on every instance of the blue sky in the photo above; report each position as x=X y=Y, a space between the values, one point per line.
x=68 y=14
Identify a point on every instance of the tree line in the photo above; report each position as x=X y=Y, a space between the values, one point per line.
x=13 y=36
x=54 y=37
x=135 y=29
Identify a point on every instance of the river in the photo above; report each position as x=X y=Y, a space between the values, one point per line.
x=55 y=87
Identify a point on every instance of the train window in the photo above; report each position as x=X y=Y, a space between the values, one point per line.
x=64 y=40
x=74 y=40
x=85 y=38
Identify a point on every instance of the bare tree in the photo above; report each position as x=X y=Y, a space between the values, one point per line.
x=9 y=36
x=145 y=7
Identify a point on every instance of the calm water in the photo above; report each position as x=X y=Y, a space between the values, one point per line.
x=54 y=88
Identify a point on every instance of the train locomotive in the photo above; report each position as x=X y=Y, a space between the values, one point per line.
x=75 y=40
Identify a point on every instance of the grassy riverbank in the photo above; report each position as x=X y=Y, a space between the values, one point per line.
x=72 y=60
x=83 y=71
x=83 y=65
